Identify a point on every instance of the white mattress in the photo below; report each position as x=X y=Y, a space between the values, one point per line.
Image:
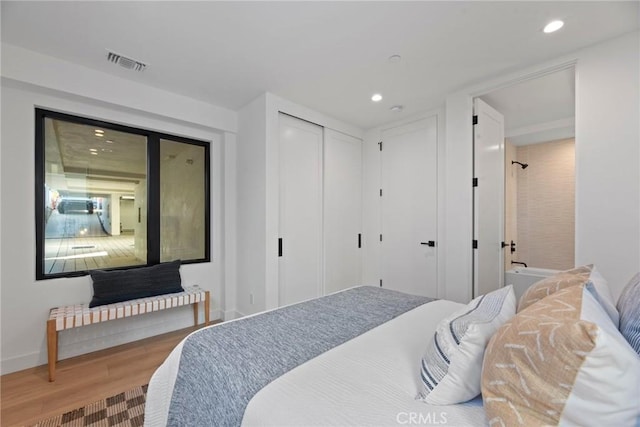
x=371 y=380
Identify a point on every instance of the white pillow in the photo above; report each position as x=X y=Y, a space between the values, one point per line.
x=561 y=361
x=452 y=365
x=604 y=296
x=575 y=277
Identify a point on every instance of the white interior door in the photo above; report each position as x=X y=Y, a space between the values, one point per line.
x=409 y=208
x=488 y=198
x=342 y=211
x=300 y=222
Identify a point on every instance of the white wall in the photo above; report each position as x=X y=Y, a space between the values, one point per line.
x=230 y=226
x=607 y=159
x=251 y=194
x=25 y=302
x=607 y=155
x=371 y=207
x=48 y=72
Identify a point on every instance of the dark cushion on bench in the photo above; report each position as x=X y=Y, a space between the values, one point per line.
x=123 y=285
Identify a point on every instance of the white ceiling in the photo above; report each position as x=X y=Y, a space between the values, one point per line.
x=329 y=56
x=537 y=110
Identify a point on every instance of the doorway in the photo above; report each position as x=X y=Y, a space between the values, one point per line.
x=539 y=177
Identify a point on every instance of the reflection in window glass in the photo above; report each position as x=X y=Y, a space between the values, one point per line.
x=114 y=196
x=182 y=201
x=95 y=181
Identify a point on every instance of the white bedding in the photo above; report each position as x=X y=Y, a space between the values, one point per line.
x=371 y=380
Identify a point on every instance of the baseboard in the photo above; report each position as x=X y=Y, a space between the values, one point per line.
x=231 y=314
x=99 y=336
x=19 y=363
x=216 y=315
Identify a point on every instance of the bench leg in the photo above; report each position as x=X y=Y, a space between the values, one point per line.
x=207 y=302
x=195 y=314
x=52 y=348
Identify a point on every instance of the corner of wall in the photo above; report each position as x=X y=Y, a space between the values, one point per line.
x=250 y=168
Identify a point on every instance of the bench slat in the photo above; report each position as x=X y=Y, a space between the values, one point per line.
x=73 y=316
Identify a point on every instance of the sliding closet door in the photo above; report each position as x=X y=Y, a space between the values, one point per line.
x=342 y=210
x=409 y=208
x=300 y=222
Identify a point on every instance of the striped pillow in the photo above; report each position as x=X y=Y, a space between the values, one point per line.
x=629 y=308
x=452 y=365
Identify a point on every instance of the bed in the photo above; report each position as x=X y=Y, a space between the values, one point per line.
x=354 y=358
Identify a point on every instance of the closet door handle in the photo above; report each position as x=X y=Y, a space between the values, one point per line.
x=280 y=246
x=430 y=243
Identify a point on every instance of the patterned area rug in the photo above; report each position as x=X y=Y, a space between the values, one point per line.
x=124 y=410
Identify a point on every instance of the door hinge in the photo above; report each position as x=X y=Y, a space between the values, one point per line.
x=280 y=246
x=474 y=183
x=475 y=120
x=381 y=192
x=359 y=240
x=380 y=282
x=475 y=244
x=380 y=145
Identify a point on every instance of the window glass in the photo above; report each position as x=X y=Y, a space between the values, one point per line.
x=112 y=196
x=95 y=179
x=182 y=201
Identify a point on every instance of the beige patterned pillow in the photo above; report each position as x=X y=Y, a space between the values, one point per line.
x=561 y=361
x=552 y=284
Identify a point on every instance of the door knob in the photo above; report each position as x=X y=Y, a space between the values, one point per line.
x=430 y=243
x=511 y=245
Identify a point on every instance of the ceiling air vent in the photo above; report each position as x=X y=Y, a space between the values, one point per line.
x=123 y=61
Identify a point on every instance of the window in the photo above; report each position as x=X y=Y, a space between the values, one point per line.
x=112 y=196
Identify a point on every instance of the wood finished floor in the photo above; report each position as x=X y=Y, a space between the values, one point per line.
x=27 y=396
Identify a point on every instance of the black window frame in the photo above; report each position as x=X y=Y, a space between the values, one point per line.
x=153 y=189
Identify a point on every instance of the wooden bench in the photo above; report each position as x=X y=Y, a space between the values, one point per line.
x=73 y=316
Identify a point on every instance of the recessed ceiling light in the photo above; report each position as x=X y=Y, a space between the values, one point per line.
x=553 y=26
x=395 y=58
x=99 y=131
x=108 y=141
x=94 y=153
x=376 y=97
x=93 y=150
x=397 y=108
